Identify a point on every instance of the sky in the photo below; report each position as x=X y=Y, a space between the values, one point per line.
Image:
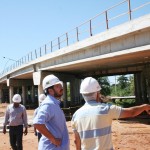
x=27 y=25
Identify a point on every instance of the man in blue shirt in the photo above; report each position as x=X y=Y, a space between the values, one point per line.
x=50 y=120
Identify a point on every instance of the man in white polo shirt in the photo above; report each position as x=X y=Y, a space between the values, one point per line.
x=92 y=122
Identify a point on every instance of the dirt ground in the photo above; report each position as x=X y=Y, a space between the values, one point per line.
x=131 y=134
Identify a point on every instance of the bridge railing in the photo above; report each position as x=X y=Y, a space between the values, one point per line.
x=117 y=14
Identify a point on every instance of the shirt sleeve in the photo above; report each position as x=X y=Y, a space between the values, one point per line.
x=6 y=117
x=115 y=111
x=44 y=114
x=25 y=119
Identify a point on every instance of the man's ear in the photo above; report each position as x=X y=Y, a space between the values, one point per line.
x=51 y=91
x=98 y=97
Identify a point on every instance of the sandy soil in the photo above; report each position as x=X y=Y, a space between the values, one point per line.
x=131 y=134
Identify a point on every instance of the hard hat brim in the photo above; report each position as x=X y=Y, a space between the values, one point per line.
x=59 y=82
x=16 y=101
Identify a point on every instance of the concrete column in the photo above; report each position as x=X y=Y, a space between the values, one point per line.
x=143 y=88
x=11 y=93
x=72 y=94
x=40 y=91
x=77 y=83
x=24 y=95
x=148 y=89
x=64 y=94
x=32 y=94
x=138 y=88
x=146 y=73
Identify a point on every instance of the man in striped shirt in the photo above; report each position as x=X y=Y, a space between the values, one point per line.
x=16 y=117
x=92 y=122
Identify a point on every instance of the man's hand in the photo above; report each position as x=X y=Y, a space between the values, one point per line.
x=44 y=131
x=147 y=108
x=148 y=112
x=4 y=129
x=25 y=131
x=57 y=141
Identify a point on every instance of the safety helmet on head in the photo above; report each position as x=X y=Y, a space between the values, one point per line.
x=16 y=98
x=42 y=97
x=51 y=80
x=89 y=85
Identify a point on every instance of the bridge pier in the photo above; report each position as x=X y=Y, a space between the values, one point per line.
x=142 y=86
x=32 y=93
x=146 y=73
x=24 y=95
x=65 y=98
x=11 y=93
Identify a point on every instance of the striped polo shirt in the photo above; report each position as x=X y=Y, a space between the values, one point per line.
x=93 y=123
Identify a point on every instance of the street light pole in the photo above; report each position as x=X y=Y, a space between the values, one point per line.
x=8 y=59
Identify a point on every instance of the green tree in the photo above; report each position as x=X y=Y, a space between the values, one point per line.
x=131 y=85
x=122 y=81
x=123 y=86
x=105 y=85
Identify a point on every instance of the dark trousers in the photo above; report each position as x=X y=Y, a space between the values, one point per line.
x=15 y=134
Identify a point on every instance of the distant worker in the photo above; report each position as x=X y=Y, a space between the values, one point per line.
x=92 y=122
x=50 y=119
x=16 y=117
x=41 y=99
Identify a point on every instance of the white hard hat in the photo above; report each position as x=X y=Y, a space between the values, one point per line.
x=51 y=80
x=16 y=98
x=42 y=97
x=89 y=85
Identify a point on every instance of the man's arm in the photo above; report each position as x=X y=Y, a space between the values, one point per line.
x=4 y=129
x=134 y=111
x=6 y=118
x=25 y=121
x=43 y=130
x=77 y=140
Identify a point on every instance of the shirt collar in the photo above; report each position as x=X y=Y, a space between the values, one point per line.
x=14 y=106
x=56 y=101
x=91 y=102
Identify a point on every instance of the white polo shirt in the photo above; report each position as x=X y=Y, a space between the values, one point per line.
x=93 y=123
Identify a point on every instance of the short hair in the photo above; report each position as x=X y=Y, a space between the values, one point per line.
x=90 y=96
x=46 y=90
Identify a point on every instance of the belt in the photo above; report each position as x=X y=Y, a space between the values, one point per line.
x=16 y=126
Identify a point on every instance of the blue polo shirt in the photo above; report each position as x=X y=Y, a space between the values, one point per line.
x=52 y=116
